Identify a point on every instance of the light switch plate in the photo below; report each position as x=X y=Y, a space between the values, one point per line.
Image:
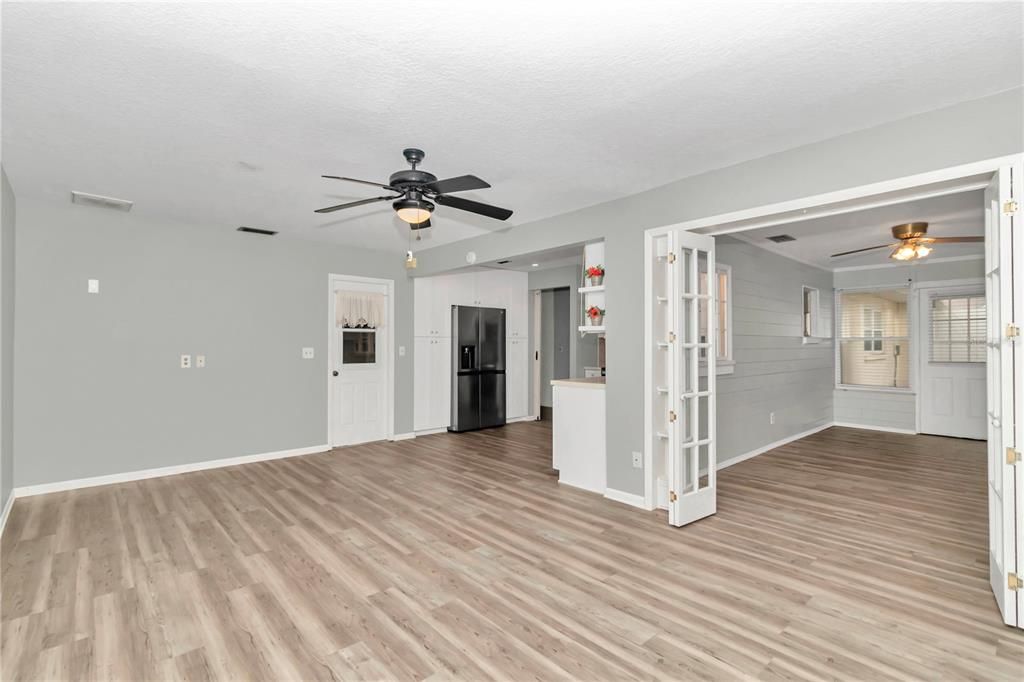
x=186 y=361
x=638 y=460
x=200 y=361
x=93 y=286
x=401 y=351
x=307 y=353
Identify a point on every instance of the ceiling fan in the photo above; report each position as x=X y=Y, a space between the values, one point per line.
x=415 y=192
x=912 y=242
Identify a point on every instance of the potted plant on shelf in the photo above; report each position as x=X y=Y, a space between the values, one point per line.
x=595 y=273
x=595 y=315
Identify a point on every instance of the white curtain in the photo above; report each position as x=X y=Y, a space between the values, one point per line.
x=359 y=309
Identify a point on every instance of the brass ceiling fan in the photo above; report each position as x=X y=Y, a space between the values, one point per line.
x=912 y=242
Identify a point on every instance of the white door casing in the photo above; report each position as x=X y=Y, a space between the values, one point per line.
x=1003 y=252
x=952 y=398
x=360 y=401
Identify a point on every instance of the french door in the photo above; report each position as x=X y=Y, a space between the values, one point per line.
x=1004 y=291
x=692 y=323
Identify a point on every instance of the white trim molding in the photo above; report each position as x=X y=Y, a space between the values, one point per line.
x=771 y=446
x=142 y=474
x=402 y=436
x=6 y=512
x=627 y=498
x=871 y=427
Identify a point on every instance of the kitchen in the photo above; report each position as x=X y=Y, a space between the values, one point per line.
x=546 y=346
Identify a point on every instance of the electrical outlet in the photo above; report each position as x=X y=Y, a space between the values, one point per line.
x=638 y=460
x=401 y=351
x=200 y=361
x=771 y=417
x=93 y=286
x=186 y=361
x=307 y=353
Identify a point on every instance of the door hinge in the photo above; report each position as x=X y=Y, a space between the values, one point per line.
x=671 y=415
x=1012 y=331
x=671 y=258
x=671 y=337
x=1010 y=207
x=672 y=497
x=1014 y=582
x=1012 y=456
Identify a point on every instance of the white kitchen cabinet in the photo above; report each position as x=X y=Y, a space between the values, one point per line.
x=517 y=366
x=433 y=388
x=433 y=301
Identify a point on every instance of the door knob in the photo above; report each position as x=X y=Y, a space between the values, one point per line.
x=334 y=373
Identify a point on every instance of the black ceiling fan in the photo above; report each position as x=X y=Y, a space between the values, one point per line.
x=415 y=192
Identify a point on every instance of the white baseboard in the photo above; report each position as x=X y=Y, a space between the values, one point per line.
x=402 y=436
x=626 y=498
x=6 y=512
x=869 y=427
x=43 y=488
x=528 y=418
x=428 y=432
x=771 y=446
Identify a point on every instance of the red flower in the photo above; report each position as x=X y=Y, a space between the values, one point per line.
x=595 y=271
x=594 y=312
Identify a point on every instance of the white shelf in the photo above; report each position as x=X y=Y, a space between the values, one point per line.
x=591 y=290
x=591 y=329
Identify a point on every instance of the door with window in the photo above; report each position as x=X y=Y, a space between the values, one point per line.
x=952 y=367
x=1004 y=307
x=359 y=363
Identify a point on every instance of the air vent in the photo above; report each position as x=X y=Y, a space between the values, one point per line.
x=781 y=238
x=256 y=230
x=87 y=199
x=503 y=262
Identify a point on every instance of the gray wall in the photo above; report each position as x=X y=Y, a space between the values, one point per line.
x=887 y=409
x=7 y=293
x=970 y=131
x=99 y=388
x=547 y=345
x=562 y=335
x=775 y=371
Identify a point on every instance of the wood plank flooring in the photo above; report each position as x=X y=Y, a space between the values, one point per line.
x=846 y=555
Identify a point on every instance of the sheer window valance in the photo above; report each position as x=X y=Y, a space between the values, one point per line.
x=359 y=309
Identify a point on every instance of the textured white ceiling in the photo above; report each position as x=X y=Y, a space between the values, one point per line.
x=227 y=114
x=954 y=215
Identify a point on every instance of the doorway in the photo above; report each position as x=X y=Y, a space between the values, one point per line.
x=555 y=340
x=951 y=324
x=360 y=360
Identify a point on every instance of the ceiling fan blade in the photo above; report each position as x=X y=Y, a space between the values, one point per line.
x=420 y=226
x=954 y=240
x=462 y=183
x=361 y=182
x=474 y=207
x=331 y=209
x=870 y=248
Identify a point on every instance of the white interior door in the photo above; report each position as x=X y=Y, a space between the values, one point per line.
x=953 y=365
x=359 y=366
x=692 y=459
x=1003 y=253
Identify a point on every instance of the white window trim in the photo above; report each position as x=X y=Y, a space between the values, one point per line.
x=723 y=364
x=837 y=346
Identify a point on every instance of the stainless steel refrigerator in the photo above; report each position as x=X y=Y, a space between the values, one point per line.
x=478 y=368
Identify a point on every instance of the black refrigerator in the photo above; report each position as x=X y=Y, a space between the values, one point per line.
x=478 y=368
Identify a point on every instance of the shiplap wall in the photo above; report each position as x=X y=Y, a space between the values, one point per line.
x=775 y=371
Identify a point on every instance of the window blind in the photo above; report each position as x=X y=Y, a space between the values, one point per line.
x=874 y=338
x=957 y=329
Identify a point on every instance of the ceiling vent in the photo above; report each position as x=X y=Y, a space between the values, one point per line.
x=256 y=230
x=782 y=238
x=103 y=202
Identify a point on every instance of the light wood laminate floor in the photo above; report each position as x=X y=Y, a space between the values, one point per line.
x=849 y=554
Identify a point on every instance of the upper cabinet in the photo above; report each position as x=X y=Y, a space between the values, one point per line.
x=484 y=288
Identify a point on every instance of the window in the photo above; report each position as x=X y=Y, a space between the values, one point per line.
x=957 y=329
x=358 y=347
x=811 y=313
x=872 y=330
x=874 y=338
x=723 y=340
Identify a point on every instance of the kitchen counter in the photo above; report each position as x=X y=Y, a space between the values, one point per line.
x=577 y=434
x=585 y=382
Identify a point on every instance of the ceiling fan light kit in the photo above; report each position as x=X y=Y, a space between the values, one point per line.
x=912 y=242
x=416 y=191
